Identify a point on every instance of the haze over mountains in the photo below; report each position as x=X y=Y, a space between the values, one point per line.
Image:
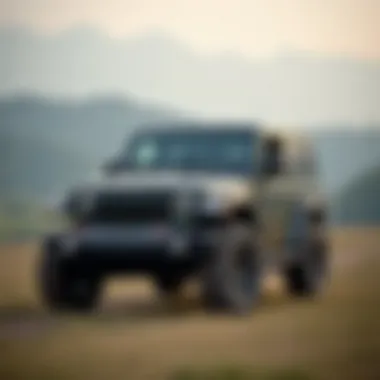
x=69 y=123
x=47 y=146
x=295 y=87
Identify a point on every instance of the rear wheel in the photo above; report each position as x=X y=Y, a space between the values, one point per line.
x=62 y=288
x=232 y=277
x=305 y=277
x=307 y=269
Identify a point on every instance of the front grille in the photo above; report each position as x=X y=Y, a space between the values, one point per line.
x=132 y=207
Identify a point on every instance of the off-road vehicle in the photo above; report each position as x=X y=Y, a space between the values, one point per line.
x=217 y=202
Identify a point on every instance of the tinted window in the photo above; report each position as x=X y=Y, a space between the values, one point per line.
x=211 y=151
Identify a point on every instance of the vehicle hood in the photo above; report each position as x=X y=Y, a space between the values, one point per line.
x=233 y=187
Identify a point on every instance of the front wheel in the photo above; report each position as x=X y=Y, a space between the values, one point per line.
x=232 y=277
x=61 y=287
x=305 y=278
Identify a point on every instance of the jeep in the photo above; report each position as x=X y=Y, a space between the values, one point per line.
x=221 y=203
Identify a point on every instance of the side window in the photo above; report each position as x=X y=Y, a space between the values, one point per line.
x=300 y=160
x=273 y=157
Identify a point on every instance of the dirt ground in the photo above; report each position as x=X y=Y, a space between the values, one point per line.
x=135 y=336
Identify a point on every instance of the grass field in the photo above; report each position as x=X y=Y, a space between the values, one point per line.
x=134 y=336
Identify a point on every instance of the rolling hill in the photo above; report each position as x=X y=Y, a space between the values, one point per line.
x=360 y=201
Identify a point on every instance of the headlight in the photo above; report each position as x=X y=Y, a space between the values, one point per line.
x=213 y=204
x=199 y=204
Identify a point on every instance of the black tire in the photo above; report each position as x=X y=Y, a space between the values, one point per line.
x=306 y=276
x=62 y=288
x=232 y=277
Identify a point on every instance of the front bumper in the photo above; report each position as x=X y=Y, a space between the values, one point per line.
x=134 y=250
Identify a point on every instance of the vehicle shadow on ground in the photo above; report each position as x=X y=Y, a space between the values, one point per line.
x=131 y=309
x=184 y=307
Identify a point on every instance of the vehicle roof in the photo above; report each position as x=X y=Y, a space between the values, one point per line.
x=289 y=136
x=186 y=126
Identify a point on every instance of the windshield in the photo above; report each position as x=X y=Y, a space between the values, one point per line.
x=210 y=151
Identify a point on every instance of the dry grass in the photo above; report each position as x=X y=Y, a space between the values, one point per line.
x=133 y=336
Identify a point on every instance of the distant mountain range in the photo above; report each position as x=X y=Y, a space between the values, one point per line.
x=47 y=146
x=66 y=127
x=294 y=87
x=359 y=202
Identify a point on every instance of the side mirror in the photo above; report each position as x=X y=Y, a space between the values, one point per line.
x=272 y=158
